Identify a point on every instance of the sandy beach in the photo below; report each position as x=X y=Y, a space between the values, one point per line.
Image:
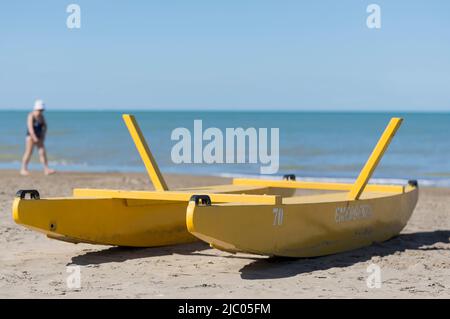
x=415 y=264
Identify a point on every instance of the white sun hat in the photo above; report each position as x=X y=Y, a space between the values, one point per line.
x=39 y=105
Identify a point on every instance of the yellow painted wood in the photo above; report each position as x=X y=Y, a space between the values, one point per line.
x=374 y=158
x=171 y=196
x=145 y=153
x=309 y=226
x=316 y=185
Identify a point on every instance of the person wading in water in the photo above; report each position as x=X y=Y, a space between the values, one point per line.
x=36 y=129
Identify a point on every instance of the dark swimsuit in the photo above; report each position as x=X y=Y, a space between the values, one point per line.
x=38 y=128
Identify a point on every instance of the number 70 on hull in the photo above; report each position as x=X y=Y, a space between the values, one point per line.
x=278 y=215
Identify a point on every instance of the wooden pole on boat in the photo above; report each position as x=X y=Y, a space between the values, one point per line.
x=177 y=196
x=374 y=159
x=144 y=151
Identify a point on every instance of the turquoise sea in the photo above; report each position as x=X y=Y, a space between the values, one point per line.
x=319 y=145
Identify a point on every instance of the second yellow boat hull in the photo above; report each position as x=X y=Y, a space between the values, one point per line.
x=303 y=226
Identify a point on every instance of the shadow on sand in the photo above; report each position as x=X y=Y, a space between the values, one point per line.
x=278 y=267
x=120 y=254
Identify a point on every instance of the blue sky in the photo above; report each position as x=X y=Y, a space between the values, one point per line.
x=271 y=55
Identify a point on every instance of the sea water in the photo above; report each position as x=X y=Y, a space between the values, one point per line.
x=313 y=145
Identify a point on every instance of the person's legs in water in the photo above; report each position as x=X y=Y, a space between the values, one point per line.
x=29 y=146
x=43 y=158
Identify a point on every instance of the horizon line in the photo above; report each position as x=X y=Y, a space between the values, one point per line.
x=227 y=110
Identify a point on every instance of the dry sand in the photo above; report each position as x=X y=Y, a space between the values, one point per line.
x=414 y=264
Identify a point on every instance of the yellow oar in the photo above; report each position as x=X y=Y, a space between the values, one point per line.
x=144 y=151
x=374 y=159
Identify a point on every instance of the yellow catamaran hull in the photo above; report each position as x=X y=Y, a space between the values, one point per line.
x=303 y=226
x=306 y=226
x=124 y=218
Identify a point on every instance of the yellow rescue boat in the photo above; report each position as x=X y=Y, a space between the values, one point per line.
x=127 y=218
x=348 y=216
